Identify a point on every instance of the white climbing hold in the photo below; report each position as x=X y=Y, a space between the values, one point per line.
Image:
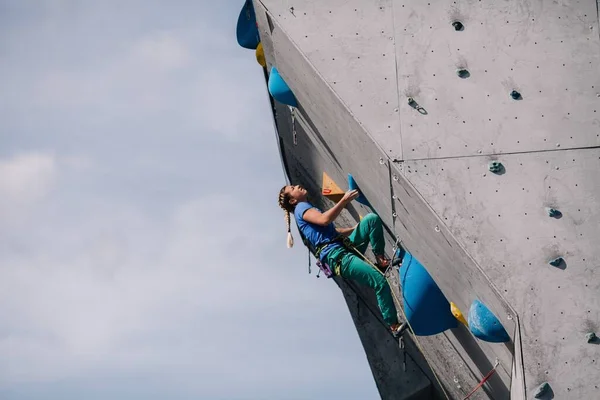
x=437 y=228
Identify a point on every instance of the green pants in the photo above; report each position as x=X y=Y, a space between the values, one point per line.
x=352 y=266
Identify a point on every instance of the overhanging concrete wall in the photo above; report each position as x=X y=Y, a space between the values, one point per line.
x=353 y=64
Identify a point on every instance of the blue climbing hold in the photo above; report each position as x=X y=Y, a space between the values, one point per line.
x=247 y=30
x=352 y=185
x=425 y=306
x=280 y=90
x=484 y=324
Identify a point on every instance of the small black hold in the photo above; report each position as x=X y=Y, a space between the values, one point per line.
x=541 y=390
x=516 y=95
x=458 y=26
x=556 y=262
x=553 y=213
x=496 y=167
x=463 y=73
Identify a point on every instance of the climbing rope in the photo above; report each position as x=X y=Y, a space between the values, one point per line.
x=484 y=380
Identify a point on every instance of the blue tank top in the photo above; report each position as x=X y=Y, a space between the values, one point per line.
x=315 y=234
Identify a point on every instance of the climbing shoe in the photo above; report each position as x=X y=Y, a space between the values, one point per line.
x=382 y=262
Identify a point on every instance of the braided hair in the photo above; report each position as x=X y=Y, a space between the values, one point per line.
x=284 y=203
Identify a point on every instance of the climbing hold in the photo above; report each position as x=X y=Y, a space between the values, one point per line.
x=330 y=189
x=516 y=95
x=463 y=73
x=416 y=106
x=458 y=314
x=553 y=213
x=484 y=324
x=425 y=306
x=556 y=262
x=260 y=55
x=495 y=167
x=458 y=26
x=541 y=390
x=352 y=185
x=247 y=30
x=591 y=337
x=280 y=90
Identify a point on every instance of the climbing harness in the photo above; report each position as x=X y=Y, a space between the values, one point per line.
x=323 y=266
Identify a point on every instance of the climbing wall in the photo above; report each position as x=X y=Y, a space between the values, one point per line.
x=529 y=99
x=547 y=53
x=472 y=128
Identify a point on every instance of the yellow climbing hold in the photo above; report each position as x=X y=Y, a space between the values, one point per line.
x=331 y=190
x=458 y=314
x=260 y=55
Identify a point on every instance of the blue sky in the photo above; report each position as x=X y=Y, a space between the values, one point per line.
x=142 y=252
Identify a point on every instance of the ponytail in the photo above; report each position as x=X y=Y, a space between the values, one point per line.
x=290 y=238
x=284 y=203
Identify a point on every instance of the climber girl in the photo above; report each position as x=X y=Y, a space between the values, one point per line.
x=321 y=233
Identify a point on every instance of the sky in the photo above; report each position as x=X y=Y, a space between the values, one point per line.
x=142 y=251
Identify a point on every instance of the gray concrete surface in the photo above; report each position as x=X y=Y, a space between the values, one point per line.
x=353 y=64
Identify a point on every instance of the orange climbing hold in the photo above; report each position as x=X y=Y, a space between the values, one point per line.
x=330 y=189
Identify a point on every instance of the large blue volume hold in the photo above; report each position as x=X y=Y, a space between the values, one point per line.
x=280 y=90
x=247 y=31
x=425 y=306
x=484 y=324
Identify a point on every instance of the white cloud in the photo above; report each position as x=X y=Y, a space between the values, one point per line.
x=87 y=316
x=25 y=179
